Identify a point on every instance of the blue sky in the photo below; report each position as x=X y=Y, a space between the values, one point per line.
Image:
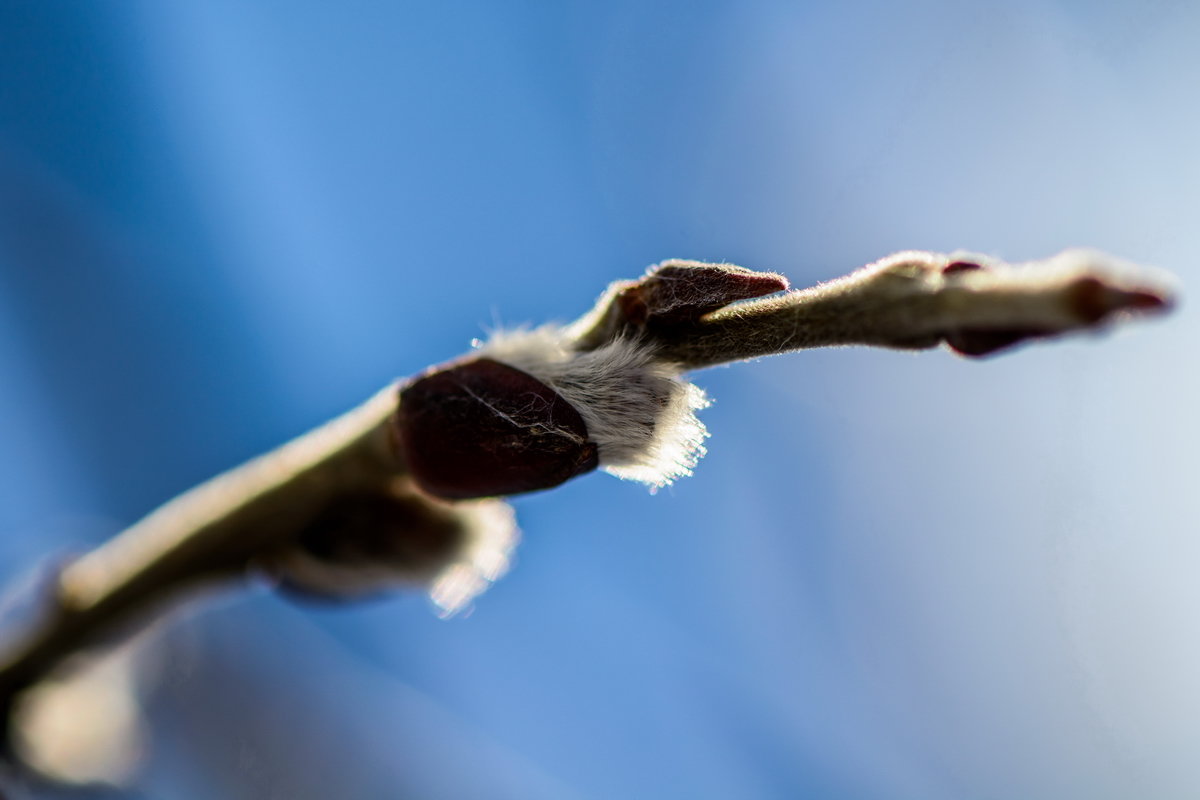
x=893 y=576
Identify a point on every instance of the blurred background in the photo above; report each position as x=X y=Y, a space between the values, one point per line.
x=894 y=575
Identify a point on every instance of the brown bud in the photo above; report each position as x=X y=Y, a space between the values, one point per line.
x=480 y=428
x=1089 y=299
x=681 y=292
x=670 y=297
x=957 y=267
x=1092 y=300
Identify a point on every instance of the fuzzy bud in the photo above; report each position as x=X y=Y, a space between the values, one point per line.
x=368 y=542
x=538 y=407
x=670 y=297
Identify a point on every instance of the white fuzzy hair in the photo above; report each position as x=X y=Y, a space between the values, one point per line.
x=638 y=411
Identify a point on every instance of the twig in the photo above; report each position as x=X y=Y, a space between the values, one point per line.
x=919 y=300
x=206 y=535
x=356 y=497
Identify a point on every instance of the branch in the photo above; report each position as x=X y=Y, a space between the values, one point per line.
x=919 y=300
x=205 y=536
x=400 y=490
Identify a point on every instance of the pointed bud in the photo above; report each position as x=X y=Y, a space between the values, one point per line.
x=1083 y=301
x=671 y=296
x=680 y=292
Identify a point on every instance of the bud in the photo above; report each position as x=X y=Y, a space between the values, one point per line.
x=1087 y=297
x=481 y=428
x=537 y=407
x=670 y=297
x=637 y=410
x=366 y=543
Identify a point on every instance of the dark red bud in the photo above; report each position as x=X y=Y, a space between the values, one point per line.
x=680 y=292
x=1092 y=300
x=481 y=428
x=1089 y=300
x=956 y=267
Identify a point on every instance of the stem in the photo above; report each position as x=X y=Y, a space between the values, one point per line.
x=210 y=534
x=915 y=301
x=263 y=513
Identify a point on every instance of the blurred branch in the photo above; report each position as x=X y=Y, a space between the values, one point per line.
x=378 y=494
x=209 y=534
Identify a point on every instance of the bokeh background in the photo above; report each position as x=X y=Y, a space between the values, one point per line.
x=894 y=576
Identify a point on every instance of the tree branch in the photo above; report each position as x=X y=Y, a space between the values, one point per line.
x=919 y=300
x=209 y=534
x=361 y=503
